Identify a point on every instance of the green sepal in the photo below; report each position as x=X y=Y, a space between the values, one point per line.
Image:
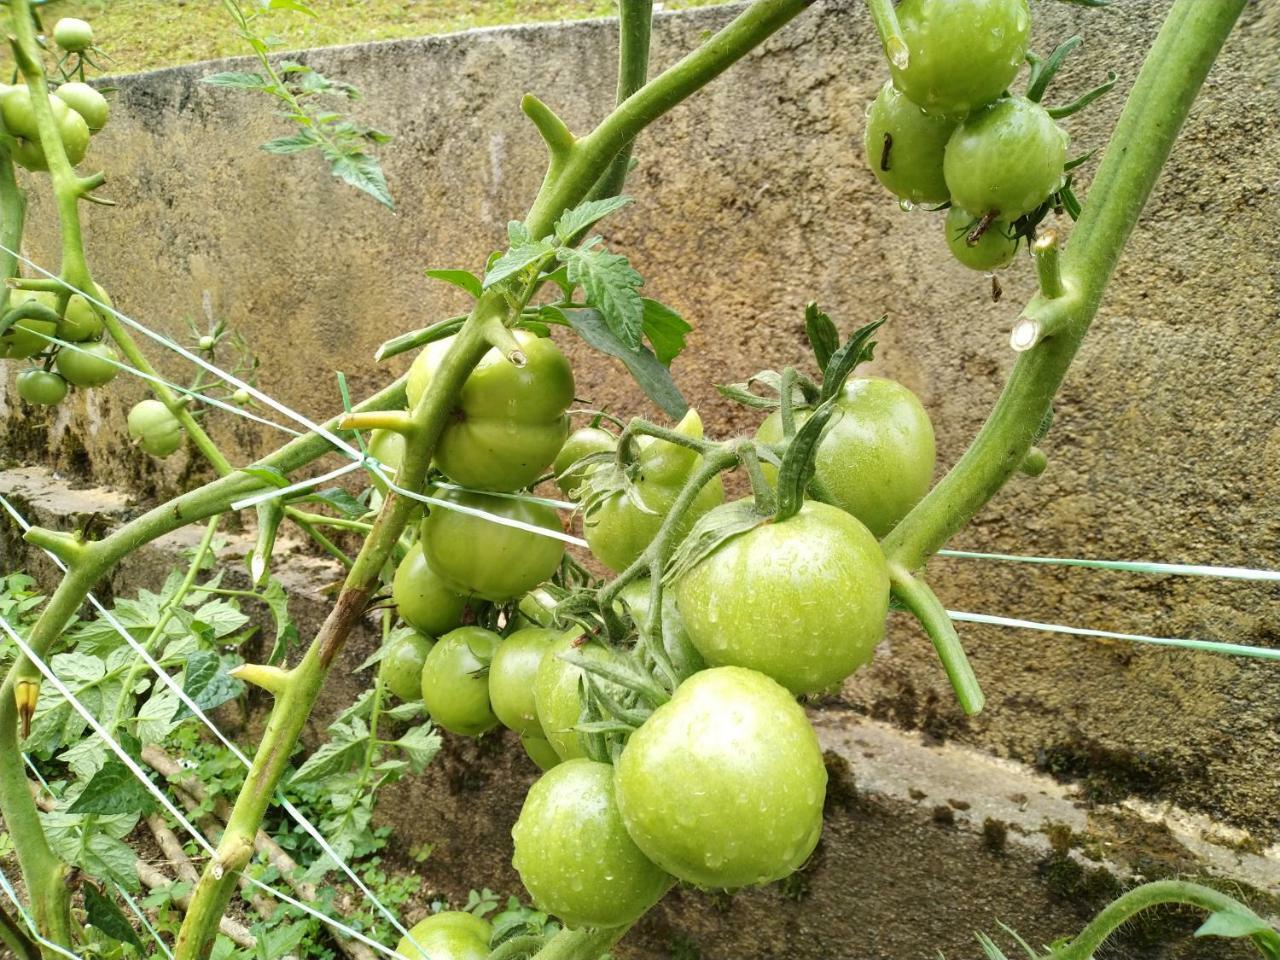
x=822 y=333
x=798 y=463
x=1082 y=101
x=621 y=673
x=1043 y=71
x=713 y=530
x=859 y=348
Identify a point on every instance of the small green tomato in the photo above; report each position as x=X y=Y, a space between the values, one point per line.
x=155 y=428
x=72 y=34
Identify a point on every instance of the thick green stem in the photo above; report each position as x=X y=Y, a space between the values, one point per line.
x=928 y=609
x=1124 y=909
x=586 y=944
x=13 y=212
x=635 y=28
x=15 y=938
x=1171 y=75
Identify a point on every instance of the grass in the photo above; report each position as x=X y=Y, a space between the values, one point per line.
x=147 y=34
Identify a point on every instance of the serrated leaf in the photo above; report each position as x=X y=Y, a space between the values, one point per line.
x=822 y=333
x=304 y=139
x=85 y=757
x=710 y=533
x=518 y=234
x=420 y=745
x=580 y=218
x=645 y=368
x=404 y=712
x=1232 y=924
x=107 y=858
x=220 y=616
x=332 y=757
x=612 y=286
x=342 y=501
x=364 y=173
x=114 y=789
x=239 y=80
x=106 y=916
x=664 y=329
x=156 y=717
x=463 y=279
x=515 y=260
x=207 y=683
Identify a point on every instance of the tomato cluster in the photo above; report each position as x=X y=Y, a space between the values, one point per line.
x=945 y=130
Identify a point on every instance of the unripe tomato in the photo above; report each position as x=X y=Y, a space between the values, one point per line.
x=581 y=443
x=994 y=248
x=961 y=53
x=618 y=531
x=1007 y=158
x=448 y=935
x=455 y=689
x=401 y=666
x=422 y=599
x=600 y=878
x=723 y=785
x=877 y=454
x=911 y=166
x=478 y=557
x=72 y=34
x=154 y=426
x=28 y=336
x=675 y=638
x=87 y=102
x=539 y=751
x=241 y=397
x=19 y=113
x=509 y=422
x=556 y=694
x=41 y=387
x=206 y=342
x=88 y=364
x=19 y=118
x=387 y=446
x=81 y=320
x=803 y=600
x=511 y=677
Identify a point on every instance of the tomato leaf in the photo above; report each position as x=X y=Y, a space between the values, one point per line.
x=364 y=173
x=420 y=745
x=515 y=260
x=611 y=285
x=207 y=683
x=340 y=500
x=268 y=475
x=463 y=279
x=106 y=916
x=664 y=329
x=823 y=336
x=115 y=790
x=647 y=370
x=1233 y=923
x=582 y=217
x=710 y=533
x=238 y=80
x=304 y=139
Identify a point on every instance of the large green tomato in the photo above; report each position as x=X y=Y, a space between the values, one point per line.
x=540 y=751
x=423 y=600
x=81 y=321
x=803 y=601
x=618 y=531
x=961 y=54
x=27 y=336
x=455 y=689
x=723 y=785
x=511 y=677
x=476 y=556
x=995 y=248
x=675 y=638
x=877 y=453
x=19 y=113
x=87 y=102
x=401 y=665
x=509 y=422
x=581 y=443
x=155 y=428
x=41 y=387
x=904 y=147
x=449 y=935
x=556 y=695
x=19 y=118
x=88 y=364
x=574 y=855
x=1008 y=158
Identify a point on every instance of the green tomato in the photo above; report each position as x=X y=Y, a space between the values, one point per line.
x=155 y=428
x=685 y=657
x=540 y=751
x=87 y=102
x=449 y=935
x=877 y=454
x=88 y=364
x=479 y=557
x=509 y=422
x=994 y=249
x=723 y=785
x=41 y=387
x=599 y=878
x=401 y=666
x=241 y=397
x=904 y=147
x=81 y=320
x=26 y=338
x=803 y=600
x=556 y=695
x=962 y=54
x=455 y=689
x=1007 y=158
x=511 y=677
x=19 y=113
x=388 y=447
x=617 y=530
x=19 y=116
x=423 y=600
x=72 y=34
x=581 y=443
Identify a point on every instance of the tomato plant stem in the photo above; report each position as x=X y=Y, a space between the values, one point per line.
x=928 y=609
x=635 y=27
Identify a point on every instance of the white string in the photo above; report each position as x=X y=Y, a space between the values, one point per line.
x=277 y=492
x=1131 y=566
x=295 y=814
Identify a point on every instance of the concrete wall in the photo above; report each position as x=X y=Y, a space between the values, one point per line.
x=752 y=199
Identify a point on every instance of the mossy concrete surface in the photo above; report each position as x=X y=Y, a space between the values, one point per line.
x=752 y=199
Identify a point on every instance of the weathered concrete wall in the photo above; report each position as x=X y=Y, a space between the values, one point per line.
x=752 y=199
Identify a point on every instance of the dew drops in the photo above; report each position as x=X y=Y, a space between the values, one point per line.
x=906 y=205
